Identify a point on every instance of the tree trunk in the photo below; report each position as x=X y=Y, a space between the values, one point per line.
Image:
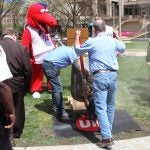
x=74 y=15
x=1 y=27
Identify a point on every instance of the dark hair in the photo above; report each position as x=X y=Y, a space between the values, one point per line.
x=99 y=26
x=9 y=31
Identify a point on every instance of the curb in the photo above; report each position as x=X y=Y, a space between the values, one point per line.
x=142 y=143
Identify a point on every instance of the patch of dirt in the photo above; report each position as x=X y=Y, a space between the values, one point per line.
x=145 y=125
x=95 y=137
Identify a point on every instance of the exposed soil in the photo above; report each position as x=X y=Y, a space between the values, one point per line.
x=94 y=137
x=145 y=125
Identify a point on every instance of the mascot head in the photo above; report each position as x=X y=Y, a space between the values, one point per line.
x=38 y=17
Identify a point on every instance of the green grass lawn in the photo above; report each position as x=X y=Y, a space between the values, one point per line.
x=134 y=87
x=136 y=45
x=133 y=95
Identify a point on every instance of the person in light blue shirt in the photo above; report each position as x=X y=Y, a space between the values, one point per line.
x=102 y=52
x=55 y=60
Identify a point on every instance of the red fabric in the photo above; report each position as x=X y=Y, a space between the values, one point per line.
x=27 y=42
x=37 y=78
x=53 y=41
x=26 y=39
x=82 y=64
x=36 y=18
x=83 y=123
x=128 y=33
x=49 y=85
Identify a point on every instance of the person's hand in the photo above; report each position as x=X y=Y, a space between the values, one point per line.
x=11 y=120
x=116 y=34
x=78 y=32
x=77 y=38
x=117 y=53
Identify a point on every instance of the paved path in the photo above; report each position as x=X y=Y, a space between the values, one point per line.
x=142 y=143
x=134 y=53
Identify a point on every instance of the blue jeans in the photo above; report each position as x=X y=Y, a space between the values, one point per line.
x=104 y=95
x=52 y=74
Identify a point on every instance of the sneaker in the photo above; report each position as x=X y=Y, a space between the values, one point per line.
x=62 y=116
x=107 y=143
x=36 y=95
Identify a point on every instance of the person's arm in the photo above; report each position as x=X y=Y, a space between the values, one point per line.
x=117 y=36
x=27 y=42
x=77 y=38
x=7 y=100
x=119 y=42
x=81 y=48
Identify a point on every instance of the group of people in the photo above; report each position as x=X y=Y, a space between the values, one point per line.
x=7 y=118
x=17 y=64
x=39 y=55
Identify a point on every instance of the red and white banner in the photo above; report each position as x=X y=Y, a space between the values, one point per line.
x=83 y=123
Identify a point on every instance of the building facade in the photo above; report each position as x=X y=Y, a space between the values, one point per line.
x=8 y=19
x=108 y=9
x=137 y=8
x=134 y=8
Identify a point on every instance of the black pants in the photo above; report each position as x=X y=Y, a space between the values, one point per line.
x=4 y=133
x=5 y=144
x=18 y=98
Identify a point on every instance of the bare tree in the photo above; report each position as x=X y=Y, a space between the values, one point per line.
x=6 y=6
x=74 y=12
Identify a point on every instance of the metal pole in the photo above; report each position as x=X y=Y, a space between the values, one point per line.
x=120 y=15
x=113 y=8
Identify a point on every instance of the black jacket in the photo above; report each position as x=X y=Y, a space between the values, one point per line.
x=19 y=63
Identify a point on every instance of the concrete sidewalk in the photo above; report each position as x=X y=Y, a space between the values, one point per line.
x=134 y=53
x=142 y=143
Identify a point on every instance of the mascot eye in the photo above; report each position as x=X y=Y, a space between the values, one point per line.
x=43 y=10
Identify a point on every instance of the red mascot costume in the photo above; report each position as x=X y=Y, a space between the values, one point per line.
x=37 y=39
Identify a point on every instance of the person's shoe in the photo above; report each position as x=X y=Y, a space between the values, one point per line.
x=62 y=116
x=17 y=131
x=16 y=136
x=107 y=143
x=36 y=95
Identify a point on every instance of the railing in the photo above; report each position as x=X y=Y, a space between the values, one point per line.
x=128 y=2
x=136 y=1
